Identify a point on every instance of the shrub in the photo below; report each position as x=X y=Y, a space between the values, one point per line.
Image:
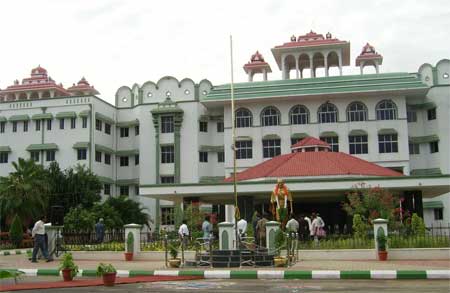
x=16 y=231
x=280 y=240
x=381 y=240
x=359 y=227
x=104 y=269
x=130 y=242
x=68 y=263
x=417 y=225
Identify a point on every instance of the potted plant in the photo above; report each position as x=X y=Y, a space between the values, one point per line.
x=280 y=239
x=174 y=262
x=381 y=241
x=130 y=247
x=108 y=273
x=68 y=267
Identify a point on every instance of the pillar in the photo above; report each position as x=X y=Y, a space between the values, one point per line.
x=157 y=178
x=135 y=230
x=229 y=213
x=283 y=68
x=271 y=229
x=361 y=68
x=296 y=68
x=377 y=67
x=379 y=224
x=227 y=236
x=340 y=63
x=53 y=232
x=325 y=63
x=177 y=121
x=250 y=77
x=264 y=74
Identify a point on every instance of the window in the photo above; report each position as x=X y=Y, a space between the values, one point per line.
x=136 y=159
x=220 y=126
x=328 y=113
x=81 y=154
x=107 y=189
x=434 y=147
x=3 y=157
x=203 y=126
x=357 y=111
x=124 y=190
x=136 y=190
x=414 y=149
x=124 y=131
x=333 y=141
x=299 y=115
x=270 y=117
x=271 y=148
x=98 y=124
x=84 y=122
x=243 y=118
x=107 y=128
x=167 y=179
x=438 y=214
x=411 y=116
x=203 y=157
x=167 y=216
x=34 y=155
x=2 y=127
x=387 y=143
x=49 y=124
x=166 y=124
x=98 y=156
x=220 y=157
x=123 y=161
x=244 y=149
x=73 y=123
x=136 y=130
x=358 y=144
x=25 y=126
x=61 y=123
x=386 y=110
x=14 y=126
x=167 y=154
x=50 y=155
x=107 y=159
x=431 y=114
x=38 y=125
x=294 y=140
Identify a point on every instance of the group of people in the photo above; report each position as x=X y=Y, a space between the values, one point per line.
x=307 y=227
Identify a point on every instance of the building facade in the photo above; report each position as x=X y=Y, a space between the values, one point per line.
x=171 y=140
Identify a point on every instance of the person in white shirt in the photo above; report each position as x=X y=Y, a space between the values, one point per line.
x=38 y=233
x=183 y=232
x=292 y=225
x=242 y=227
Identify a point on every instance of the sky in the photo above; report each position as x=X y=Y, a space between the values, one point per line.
x=114 y=43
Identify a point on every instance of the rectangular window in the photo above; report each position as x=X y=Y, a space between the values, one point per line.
x=124 y=190
x=203 y=126
x=98 y=124
x=333 y=141
x=25 y=126
x=50 y=155
x=34 y=155
x=38 y=125
x=167 y=216
x=434 y=147
x=166 y=124
x=107 y=159
x=411 y=116
x=14 y=126
x=3 y=157
x=387 y=143
x=73 y=123
x=84 y=122
x=438 y=214
x=167 y=179
x=431 y=114
x=61 y=123
x=136 y=160
x=2 y=127
x=136 y=130
x=98 y=156
x=414 y=149
x=81 y=154
x=107 y=128
x=244 y=149
x=123 y=161
x=294 y=140
x=358 y=144
x=271 y=148
x=124 y=131
x=49 y=124
x=167 y=154
x=203 y=157
x=220 y=157
x=107 y=189
x=220 y=126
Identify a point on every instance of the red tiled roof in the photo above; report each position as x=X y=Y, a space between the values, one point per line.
x=310 y=141
x=303 y=164
x=311 y=43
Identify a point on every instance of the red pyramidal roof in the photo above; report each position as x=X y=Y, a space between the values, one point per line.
x=310 y=142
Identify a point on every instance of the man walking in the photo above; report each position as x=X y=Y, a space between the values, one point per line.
x=38 y=233
x=261 y=228
x=100 y=230
x=183 y=232
x=207 y=231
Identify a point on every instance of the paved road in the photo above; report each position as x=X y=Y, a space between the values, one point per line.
x=279 y=286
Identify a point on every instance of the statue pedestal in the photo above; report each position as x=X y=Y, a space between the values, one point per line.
x=271 y=229
x=227 y=236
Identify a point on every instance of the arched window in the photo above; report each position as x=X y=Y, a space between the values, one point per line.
x=299 y=115
x=356 y=111
x=243 y=118
x=386 y=110
x=328 y=113
x=270 y=116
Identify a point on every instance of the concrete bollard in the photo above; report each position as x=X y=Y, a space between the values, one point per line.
x=135 y=229
x=271 y=230
x=379 y=223
x=227 y=236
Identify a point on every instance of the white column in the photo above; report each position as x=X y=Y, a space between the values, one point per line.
x=283 y=67
x=377 y=67
x=340 y=62
x=135 y=230
x=229 y=213
x=296 y=68
x=250 y=76
x=227 y=236
x=264 y=74
x=325 y=63
x=311 y=66
x=361 y=66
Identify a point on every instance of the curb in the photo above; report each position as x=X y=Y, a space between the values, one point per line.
x=264 y=274
x=15 y=252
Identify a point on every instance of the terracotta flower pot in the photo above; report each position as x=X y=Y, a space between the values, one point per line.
x=174 y=262
x=67 y=275
x=128 y=256
x=109 y=279
x=382 y=255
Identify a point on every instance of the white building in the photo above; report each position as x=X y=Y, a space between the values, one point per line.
x=171 y=140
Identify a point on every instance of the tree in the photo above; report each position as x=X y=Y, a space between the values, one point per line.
x=129 y=211
x=359 y=227
x=16 y=232
x=417 y=225
x=79 y=218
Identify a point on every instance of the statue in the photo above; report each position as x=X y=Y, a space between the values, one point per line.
x=279 y=202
